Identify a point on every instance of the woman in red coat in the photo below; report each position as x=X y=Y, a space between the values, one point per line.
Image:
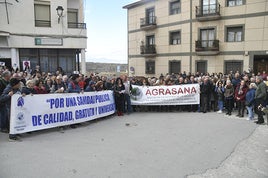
x=240 y=97
x=39 y=87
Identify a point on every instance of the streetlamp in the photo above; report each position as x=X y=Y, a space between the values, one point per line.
x=59 y=12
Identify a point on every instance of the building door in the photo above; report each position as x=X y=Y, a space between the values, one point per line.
x=201 y=67
x=260 y=63
x=234 y=66
x=150 y=15
x=207 y=37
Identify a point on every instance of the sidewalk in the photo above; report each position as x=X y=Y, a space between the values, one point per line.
x=248 y=160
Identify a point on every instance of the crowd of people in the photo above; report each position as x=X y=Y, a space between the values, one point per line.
x=245 y=92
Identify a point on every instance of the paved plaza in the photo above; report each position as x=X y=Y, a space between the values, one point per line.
x=142 y=145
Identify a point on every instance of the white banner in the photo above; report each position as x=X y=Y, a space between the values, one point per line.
x=39 y=112
x=166 y=95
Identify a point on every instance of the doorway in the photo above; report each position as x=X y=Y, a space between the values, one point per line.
x=260 y=63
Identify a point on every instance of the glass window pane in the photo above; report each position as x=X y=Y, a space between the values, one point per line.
x=238 y=36
x=239 y=2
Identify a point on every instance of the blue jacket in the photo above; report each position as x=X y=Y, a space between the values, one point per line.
x=250 y=96
x=73 y=88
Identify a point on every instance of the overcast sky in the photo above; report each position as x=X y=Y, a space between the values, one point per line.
x=106 y=30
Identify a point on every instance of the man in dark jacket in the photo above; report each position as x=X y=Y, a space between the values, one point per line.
x=12 y=88
x=4 y=81
x=260 y=96
x=205 y=90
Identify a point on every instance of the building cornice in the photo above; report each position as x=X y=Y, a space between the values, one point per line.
x=51 y=36
x=136 y=4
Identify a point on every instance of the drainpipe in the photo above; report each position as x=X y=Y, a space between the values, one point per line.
x=191 y=35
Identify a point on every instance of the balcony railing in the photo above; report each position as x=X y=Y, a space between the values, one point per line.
x=148 y=22
x=42 y=23
x=77 y=25
x=207 y=47
x=208 y=12
x=148 y=50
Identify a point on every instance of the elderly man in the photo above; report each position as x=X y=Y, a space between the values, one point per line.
x=260 y=96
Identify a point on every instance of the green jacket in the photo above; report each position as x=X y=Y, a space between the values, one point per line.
x=261 y=91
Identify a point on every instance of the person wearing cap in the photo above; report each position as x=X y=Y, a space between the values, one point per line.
x=12 y=88
x=260 y=96
x=4 y=81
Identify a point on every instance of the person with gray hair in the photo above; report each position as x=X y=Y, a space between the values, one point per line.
x=229 y=97
x=250 y=100
x=260 y=97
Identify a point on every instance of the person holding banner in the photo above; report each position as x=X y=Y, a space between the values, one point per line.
x=29 y=88
x=12 y=88
x=4 y=81
x=119 y=91
x=73 y=86
x=39 y=87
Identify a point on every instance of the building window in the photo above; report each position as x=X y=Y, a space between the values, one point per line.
x=233 y=66
x=72 y=16
x=175 y=38
x=150 y=67
x=234 y=34
x=150 y=16
x=42 y=14
x=174 y=67
x=49 y=59
x=150 y=40
x=209 y=6
x=175 y=7
x=201 y=67
x=207 y=37
x=231 y=3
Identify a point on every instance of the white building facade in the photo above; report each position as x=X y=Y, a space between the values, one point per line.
x=49 y=33
x=207 y=36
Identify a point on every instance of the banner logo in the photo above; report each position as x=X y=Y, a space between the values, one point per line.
x=20 y=102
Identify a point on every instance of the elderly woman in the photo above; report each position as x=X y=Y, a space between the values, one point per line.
x=240 y=97
x=39 y=87
x=29 y=88
x=229 y=97
x=250 y=100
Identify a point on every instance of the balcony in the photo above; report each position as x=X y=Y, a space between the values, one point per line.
x=77 y=25
x=148 y=23
x=207 y=47
x=208 y=12
x=148 y=50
